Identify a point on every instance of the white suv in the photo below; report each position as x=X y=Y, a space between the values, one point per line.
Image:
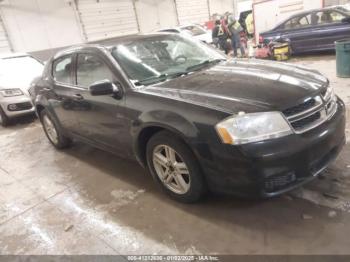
x=17 y=71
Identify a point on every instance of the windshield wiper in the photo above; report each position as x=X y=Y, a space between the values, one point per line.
x=203 y=64
x=159 y=78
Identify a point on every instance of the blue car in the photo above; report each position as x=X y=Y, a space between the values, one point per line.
x=311 y=31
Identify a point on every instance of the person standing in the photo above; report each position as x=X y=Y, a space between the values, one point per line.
x=220 y=36
x=235 y=29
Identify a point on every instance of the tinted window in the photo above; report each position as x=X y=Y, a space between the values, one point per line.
x=62 y=70
x=297 y=22
x=91 y=69
x=329 y=17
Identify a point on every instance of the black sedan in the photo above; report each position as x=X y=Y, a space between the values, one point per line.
x=315 y=30
x=195 y=120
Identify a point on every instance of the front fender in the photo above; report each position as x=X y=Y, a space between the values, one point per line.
x=169 y=120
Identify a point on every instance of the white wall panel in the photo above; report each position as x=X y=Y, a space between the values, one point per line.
x=155 y=14
x=220 y=6
x=103 y=19
x=5 y=46
x=243 y=6
x=39 y=24
x=194 y=11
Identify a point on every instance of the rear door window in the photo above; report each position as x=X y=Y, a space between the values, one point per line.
x=62 y=70
x=329 y=17
x=298 y=22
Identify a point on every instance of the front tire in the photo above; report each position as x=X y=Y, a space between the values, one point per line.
x=52 y=131
x=175 y=168
x=4 y=120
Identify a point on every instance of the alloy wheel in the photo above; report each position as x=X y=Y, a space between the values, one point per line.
x=171 y=169
x=50 y=129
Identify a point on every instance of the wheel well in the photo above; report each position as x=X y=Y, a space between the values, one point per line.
x=143 y=139
x=146 y=135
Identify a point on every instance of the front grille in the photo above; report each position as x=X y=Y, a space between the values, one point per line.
x=300 y=108
x=310 y=114
x=306 y=121
x=20 y=106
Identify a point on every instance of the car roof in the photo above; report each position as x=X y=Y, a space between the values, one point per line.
x=12 y=55
x=108 y=44
x=319 y=10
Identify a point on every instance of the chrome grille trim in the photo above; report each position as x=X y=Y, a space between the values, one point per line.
x=306 y=113
x=327 y=109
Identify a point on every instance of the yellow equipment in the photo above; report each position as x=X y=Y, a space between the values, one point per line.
x=281 y=51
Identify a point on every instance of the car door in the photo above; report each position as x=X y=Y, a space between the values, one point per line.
x=328 y=27
x=62 y=97
x=297 y=30
x=102 y=118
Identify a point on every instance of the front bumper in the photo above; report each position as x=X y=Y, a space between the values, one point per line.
x=273 y=167
x=16 y=105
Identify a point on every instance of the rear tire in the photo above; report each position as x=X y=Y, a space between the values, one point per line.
x=4 y=120
x=175 y=168
x=53 y=132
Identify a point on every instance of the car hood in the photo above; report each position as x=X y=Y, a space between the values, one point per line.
x=250 y=86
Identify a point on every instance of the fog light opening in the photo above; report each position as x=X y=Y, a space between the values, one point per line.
x=280 y=181
x=12 y=107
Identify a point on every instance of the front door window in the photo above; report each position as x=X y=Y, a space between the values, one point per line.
x=91 y=69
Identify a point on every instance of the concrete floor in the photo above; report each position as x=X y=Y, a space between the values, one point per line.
x=85 y=201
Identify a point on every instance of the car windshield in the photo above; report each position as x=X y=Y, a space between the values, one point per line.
x=25 y=65
x=158 y=58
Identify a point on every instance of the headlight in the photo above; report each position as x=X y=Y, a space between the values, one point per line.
x=247 y=128
x=11 y=92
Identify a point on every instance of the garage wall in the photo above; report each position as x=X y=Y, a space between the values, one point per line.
x=34 y=25
x=5 y=46
x=220 y=6
x=106 y=18
x=194 y=11
x=156 y=14
x=242 y=6
x=39 y=24
x=336 y=2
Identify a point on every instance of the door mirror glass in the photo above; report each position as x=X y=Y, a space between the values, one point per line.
x=104 y=87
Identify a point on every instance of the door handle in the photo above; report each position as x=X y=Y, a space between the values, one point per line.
x=78 y=97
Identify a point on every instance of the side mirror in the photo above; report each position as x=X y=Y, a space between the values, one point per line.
x=105 y=87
